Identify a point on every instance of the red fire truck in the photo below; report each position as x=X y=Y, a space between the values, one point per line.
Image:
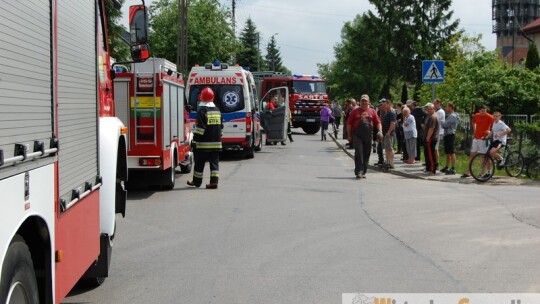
x=150 y=101
x=62 y=150
x=307 y=96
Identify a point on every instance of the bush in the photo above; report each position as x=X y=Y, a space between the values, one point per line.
x=531 y=131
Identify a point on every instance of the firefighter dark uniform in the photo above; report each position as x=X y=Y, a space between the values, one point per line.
x=207 y=139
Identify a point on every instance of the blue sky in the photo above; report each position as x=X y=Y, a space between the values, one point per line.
x=307 y=30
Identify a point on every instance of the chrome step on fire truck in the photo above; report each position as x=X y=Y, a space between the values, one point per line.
x=150 y=101
x=62 y=150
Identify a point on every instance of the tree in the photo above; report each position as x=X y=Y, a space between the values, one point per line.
x=382 y=48
x=249 y=54
x=475 y=76
x=210 y=34
x=119 y=47
x=356 y=70
x=273 y=56
x=533 y=60
x=404 y=93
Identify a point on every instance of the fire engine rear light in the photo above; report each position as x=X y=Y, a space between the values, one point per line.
x=59 y=256
x=124 y=130
x=149 y=162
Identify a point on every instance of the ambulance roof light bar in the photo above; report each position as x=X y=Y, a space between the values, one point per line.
x=216 y=66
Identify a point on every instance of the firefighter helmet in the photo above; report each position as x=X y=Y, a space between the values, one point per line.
x=207 y=95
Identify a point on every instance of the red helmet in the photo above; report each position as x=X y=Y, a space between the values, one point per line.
x=207 y=94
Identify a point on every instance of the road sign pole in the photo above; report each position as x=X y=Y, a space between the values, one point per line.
x=432 y=91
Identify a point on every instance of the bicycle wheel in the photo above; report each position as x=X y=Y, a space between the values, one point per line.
x=533 y=169
x=482 y=167
x=513 y=164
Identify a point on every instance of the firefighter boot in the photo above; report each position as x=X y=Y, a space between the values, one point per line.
x=191 y=183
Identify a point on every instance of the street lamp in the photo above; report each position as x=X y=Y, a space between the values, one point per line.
x=273 y=53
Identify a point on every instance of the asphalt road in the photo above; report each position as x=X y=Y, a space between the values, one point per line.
x=293 y=225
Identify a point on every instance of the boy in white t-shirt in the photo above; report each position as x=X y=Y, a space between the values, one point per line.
x=499 y=132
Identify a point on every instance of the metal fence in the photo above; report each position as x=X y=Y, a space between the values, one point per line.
x=511 y=119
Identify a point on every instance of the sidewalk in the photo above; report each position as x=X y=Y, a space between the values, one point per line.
x=416 y=170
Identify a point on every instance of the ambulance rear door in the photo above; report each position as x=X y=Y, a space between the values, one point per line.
x=274 y=121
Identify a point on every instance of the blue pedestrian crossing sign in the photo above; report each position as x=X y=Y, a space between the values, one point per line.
x=433 y=71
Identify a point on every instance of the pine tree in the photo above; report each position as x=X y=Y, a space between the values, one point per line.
x=533 y=60
x=273 y=56
x=119 y=47
x=404 y=93
x=249 y=54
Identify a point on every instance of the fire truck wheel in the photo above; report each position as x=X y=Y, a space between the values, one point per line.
x=168 y=179
x=311 y=129
x=19 y=283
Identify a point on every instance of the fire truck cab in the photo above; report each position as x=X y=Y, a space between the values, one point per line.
x=236 y=98
x=150 y=101
x=307 y=96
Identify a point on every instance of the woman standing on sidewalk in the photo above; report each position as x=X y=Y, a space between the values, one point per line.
x=410 y=134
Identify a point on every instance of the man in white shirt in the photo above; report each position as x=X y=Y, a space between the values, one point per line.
x=441 y=116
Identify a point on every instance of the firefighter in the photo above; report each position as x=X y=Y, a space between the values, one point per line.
x=207 y=139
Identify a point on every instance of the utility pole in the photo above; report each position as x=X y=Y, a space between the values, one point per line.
x=234 y=15
x=512 y=16
x=181 y=50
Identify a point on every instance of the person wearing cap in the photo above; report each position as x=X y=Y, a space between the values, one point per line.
x=360 y=125
x=207 y=140
x=431 y=135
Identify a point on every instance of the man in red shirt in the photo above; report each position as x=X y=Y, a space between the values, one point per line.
x=360 y=125
x=481 y=123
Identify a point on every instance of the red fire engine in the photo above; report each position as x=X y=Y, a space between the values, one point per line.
x=62 y=150
x=307 y=96
x=150 y=101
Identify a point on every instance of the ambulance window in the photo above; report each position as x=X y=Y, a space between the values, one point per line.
x=193 y=100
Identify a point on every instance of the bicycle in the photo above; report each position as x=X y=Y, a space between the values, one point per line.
x=533 y=168
x=335 y=129
x=482 y=166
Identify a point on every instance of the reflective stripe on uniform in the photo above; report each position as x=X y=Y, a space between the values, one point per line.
x=197 y=174
x=209 y=145
x=198 y=130
x=214 y=173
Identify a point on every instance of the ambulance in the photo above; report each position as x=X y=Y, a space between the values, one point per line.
x=236 y=98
